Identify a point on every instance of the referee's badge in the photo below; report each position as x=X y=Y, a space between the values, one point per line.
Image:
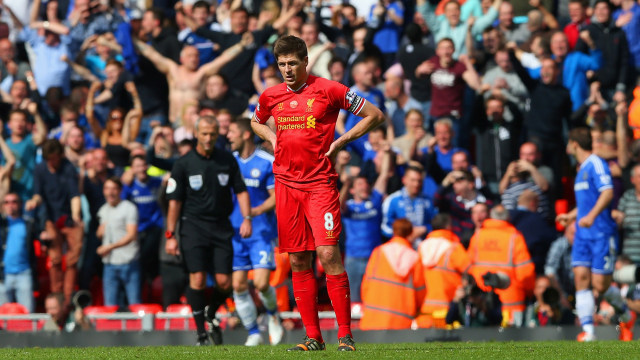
x=195 y=181
x=171 y=185
x=223 y=179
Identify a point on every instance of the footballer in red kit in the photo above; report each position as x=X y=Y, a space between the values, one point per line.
x=305 y=109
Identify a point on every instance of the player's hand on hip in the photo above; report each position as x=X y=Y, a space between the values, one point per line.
x=245 y=228
x=334 y=149
x=171 y=247
x=586 y=222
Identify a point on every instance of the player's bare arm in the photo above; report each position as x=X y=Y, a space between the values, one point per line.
x=245 y=209
x=372 y=117
x=603 y=201
x=264 y=131
x=268 y=205
x=171 y=246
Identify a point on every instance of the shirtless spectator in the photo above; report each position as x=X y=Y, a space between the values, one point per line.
x=185 y=79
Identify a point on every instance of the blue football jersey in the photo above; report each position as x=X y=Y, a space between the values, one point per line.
x=593 y=178
x=361 y=222
x=257 y=171
x=145 y=197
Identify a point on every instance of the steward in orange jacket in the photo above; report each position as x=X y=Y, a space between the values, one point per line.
x=500 y=247
x=393 y=284
x=444 y=261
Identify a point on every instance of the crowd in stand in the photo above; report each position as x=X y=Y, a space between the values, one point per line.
x=99 y=98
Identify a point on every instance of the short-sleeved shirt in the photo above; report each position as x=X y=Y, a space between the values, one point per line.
x=447 y=87
x=115 y=219
x=593 y=178
x=362 y=222
x=305 y=126
x=145 y=197
x=56 y=189
x=257 y=171
x=22 y=175
x=204 y=185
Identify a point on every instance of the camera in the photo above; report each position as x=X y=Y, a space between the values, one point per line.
x=82 y=299
x=497 y=280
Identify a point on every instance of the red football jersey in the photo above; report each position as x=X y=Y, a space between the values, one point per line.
x=305 y=128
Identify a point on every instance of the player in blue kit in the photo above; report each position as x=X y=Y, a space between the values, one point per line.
x=255 y=252
x=594 y=248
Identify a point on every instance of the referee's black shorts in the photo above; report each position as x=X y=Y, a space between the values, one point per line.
x=206 y=246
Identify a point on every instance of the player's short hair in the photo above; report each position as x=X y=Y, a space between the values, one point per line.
x=441 y=221
x=51 y=147
x=582 y=136
x=290 y=45
x=209 y=120
x=402 y=228
x=115 y=180
x=244 y=124
x=499 y=212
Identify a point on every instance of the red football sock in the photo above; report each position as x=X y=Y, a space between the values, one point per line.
x=305 y=291
x=338 y=289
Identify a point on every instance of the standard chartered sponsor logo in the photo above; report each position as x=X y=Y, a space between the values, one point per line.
x=303 y=122
x=284 y=119
x=291 y=126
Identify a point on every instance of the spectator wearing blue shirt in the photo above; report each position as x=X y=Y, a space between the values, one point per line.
x=409 y=203
x=18 y=259
x=200 y=15
x=627 y=17
x=362 y=217
x=575 y=65
x=49 y=43
x=363 y=76
x=143 y=192
x=387 y=17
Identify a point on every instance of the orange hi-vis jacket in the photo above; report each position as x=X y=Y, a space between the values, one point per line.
x=393 y=286
x=500 y=247
x=444 y=261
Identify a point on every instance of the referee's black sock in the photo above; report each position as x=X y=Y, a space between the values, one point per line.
x=198 y=301
x=218 y=298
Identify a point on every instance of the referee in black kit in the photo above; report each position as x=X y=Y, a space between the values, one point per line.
x=199 y=193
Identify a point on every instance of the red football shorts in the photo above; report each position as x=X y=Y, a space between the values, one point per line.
x=307 y=219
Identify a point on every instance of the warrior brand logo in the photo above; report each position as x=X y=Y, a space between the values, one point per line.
x=280 y=106
x=330 y=234
x=293 y=104
x=310 y=104
x=311 y=122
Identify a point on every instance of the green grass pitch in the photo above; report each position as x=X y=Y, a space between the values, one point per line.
x=449 y=350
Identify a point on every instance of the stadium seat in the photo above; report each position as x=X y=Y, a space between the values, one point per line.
x=104 y=324
x=141 y=310
x=562 y=207
x=17 y=325
x=177 y=324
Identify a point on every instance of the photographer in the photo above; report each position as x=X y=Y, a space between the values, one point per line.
x=547 y=308
x=61 y=320
x=473 y=307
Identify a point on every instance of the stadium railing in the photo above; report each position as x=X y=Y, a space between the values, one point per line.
x=132 y=321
